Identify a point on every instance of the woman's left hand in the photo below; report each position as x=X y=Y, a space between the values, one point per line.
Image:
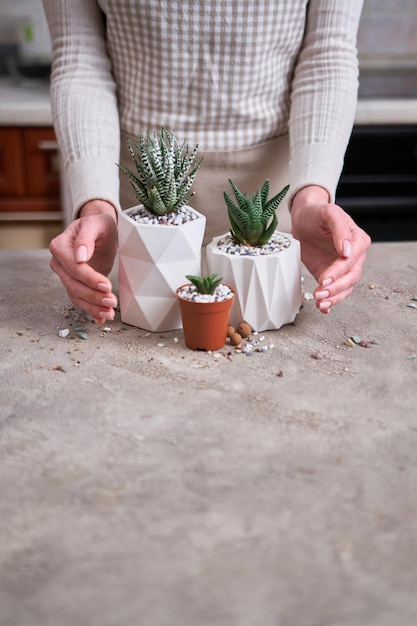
x=333 y=247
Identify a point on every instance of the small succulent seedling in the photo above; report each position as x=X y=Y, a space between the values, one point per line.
x=205 y=284
x=165 y=171
x=253 y=219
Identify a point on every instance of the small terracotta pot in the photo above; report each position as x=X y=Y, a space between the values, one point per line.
x=205 y=324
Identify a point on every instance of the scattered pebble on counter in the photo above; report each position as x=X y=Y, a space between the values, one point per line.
x=412 y=305
x=318 y=356
x=411 y=356
x=64 y=332
x=364 y=343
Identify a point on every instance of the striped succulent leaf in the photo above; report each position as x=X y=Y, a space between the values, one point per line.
x=253 y=220
x=165 y=171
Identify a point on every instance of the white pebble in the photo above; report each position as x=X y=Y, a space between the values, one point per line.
x=64 y=332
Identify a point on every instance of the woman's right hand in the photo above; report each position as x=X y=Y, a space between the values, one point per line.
x=83 y=255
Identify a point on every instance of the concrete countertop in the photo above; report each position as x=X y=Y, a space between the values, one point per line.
x=28 y=104
x=139 y=478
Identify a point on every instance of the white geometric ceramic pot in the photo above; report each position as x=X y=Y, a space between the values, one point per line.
x=268 y=287
x=153 y=262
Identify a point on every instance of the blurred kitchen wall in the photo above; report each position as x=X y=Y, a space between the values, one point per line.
x=388 y=33
x=387 y=37
x=387 y=42
x=23 y=33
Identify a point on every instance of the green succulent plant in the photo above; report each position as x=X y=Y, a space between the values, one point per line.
x=253 y=220
x=205 y=284
x=165 y=171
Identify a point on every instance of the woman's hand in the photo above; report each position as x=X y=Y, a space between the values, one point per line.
x=84 y=254
x=333 y=247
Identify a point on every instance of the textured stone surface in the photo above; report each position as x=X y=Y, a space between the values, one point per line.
x=143 y=483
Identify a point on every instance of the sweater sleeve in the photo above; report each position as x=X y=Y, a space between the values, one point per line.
x=324 y=94
x=84 y=101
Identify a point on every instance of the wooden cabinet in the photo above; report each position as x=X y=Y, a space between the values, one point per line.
x=29 y=170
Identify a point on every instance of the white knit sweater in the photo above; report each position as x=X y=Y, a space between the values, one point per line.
x=224 y=74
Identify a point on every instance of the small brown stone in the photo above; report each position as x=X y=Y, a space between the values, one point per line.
x=235 y=339
x=244 y=329
x=230 y=331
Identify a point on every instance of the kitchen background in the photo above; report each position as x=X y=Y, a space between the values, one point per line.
x=381 y=163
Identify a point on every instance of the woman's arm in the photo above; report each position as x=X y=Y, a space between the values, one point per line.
x=86 y=121
x=324 y=94
x=84 y=101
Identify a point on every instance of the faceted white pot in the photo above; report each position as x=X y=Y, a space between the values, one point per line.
x=153 y=262
x=268 y=287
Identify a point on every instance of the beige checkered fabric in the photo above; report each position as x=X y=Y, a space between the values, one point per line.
x=216 y=72
x=226 y=74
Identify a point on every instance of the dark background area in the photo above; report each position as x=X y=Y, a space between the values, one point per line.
x=378 y=186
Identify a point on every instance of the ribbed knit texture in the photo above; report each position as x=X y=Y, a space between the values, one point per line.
x=226 y=74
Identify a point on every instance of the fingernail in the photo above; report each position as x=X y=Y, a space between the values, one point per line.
x=326 y=282
x=110 y=302
x=347 y=248
x=81 y=254
x=104 y=287
x=107 y=315
x=326 y=304
x=320 y=295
